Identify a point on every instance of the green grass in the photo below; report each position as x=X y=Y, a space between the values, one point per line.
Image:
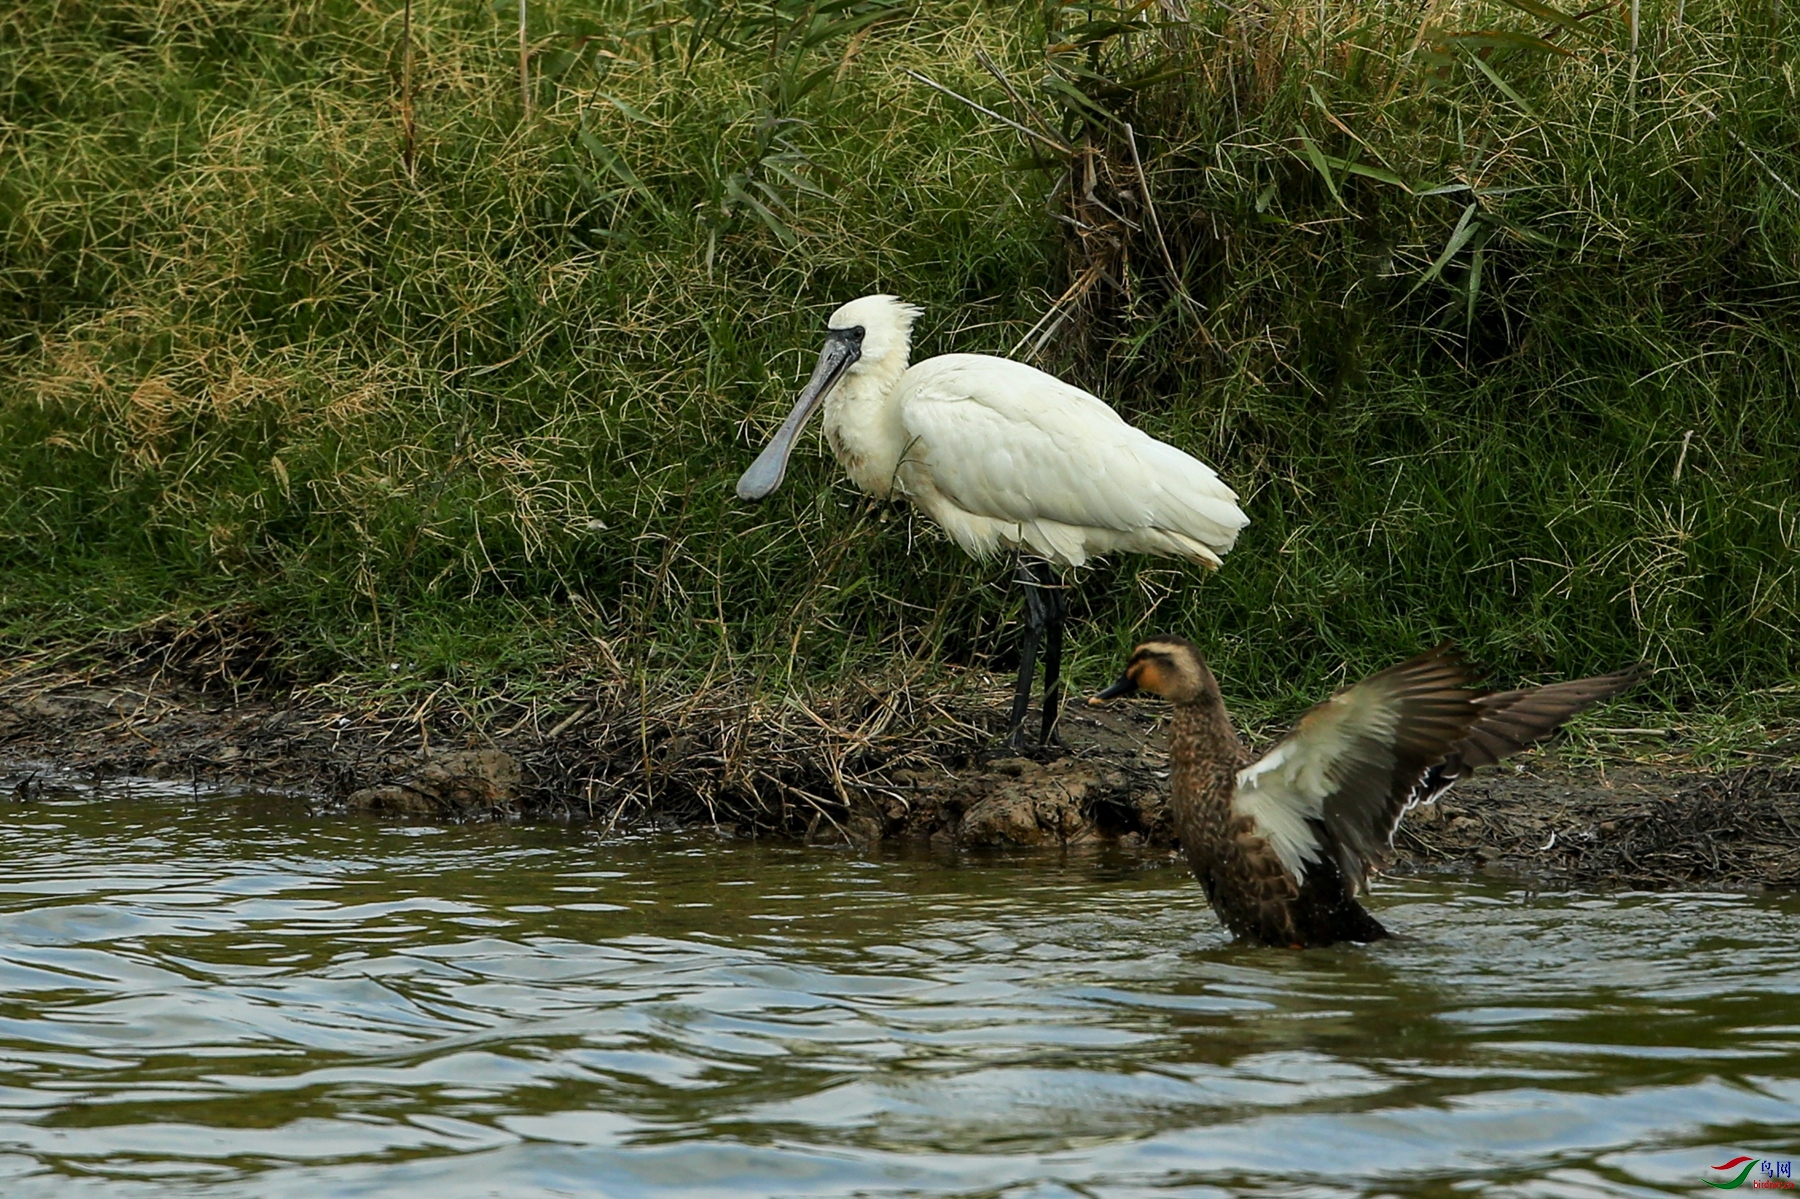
x=477 y=422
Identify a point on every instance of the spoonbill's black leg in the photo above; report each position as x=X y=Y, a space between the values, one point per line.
x=1036 y=616
x=1056 y=606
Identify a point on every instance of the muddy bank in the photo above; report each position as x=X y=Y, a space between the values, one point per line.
x=890 y=763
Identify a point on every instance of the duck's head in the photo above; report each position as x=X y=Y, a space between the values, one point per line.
x=1167 y=666
x=872 y=335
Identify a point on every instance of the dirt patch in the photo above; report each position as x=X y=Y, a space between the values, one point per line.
x=873 y=764
x=1626 y=827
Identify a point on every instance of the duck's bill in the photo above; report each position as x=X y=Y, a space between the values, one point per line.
x=765 y=474
x=1123 y=687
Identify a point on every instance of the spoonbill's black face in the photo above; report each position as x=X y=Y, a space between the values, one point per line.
x=842 y=348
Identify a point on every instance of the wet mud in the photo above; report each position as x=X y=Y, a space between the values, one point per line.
x=863 y=771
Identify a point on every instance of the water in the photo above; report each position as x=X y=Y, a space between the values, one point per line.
x=205 y=996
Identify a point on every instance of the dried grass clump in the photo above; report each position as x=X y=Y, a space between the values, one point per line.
x=801 y=765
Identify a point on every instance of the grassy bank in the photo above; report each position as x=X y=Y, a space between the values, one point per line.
x=1493 y=319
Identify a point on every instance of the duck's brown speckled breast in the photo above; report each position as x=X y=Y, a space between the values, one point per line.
x=1243 y=878
x=1252 y=892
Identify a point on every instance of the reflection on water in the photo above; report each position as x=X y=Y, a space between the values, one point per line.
x=223 y=997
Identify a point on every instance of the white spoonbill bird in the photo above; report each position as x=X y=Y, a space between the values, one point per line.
x=1003 y=457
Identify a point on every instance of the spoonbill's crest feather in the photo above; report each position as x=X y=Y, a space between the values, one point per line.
x=874 y=313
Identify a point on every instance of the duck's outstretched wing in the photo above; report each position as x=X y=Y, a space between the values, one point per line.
x=1330 y=784
x=1512 y=721
x=1352 y=766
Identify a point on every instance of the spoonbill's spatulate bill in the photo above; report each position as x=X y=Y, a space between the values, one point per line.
x=1003 y=457
x=1283 y=843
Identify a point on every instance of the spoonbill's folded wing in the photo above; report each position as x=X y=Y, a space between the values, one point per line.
x=1006 y=442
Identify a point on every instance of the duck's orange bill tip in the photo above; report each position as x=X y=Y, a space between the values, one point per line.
x=1094 y=701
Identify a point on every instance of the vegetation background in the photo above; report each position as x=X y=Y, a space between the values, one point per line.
x=324 y=341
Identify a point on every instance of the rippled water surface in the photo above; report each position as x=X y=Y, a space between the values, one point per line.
x=225 y=997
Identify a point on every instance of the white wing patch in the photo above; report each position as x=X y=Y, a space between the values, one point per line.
x=1267 y=794
x=1286 y=789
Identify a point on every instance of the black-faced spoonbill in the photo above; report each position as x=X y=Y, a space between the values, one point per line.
x=1283 y=843
x=1003 y=457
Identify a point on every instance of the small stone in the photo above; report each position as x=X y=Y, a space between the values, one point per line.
x=392 y=800
x=477 y=782
x=863 y=829
x=1030 y=805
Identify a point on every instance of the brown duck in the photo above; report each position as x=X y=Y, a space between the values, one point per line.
x=1283 y=843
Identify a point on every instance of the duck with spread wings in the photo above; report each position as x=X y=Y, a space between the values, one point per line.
x=1283 y=843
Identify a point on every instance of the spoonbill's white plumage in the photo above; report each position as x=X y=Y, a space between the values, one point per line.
x=1003 y=457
